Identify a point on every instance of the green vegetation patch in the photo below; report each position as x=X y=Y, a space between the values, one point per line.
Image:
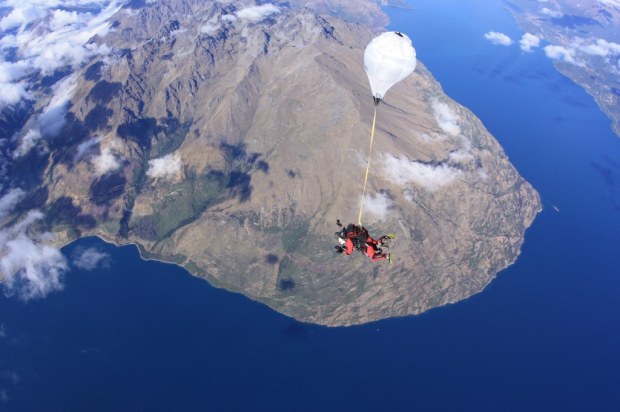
x=194 y=269
x=181 y=204
x=173 y=135
x=293 y=236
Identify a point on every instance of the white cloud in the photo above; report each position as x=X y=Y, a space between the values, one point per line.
x=56 y=55
x=49 y=56
x=11 y=71
x=598 y=47
x=498 y=38
x=89 y=259
x=9 y=200
x=402 y=171
x=252 y=14
x=377 y=205
x=210 y=29
x=579 y=50
x=164 y=167
x=52 y=120
x=211 y=26
x=28 y=141
x=529 y=42
x=25 y=13
x=106 y=161
x=409 y=195
x=62 y=18
x=229 y=18
x=482 y=174
x=257 y=13
x=461 y=156
x=12 y=93
x=562 y=54
x=50 y=37
x=30 y=267
x=85 y=148
x=20 y=17
x=446 y=118
x=612 y=3
x=551 y=13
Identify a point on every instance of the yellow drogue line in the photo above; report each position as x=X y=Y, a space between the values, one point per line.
x=372 y=137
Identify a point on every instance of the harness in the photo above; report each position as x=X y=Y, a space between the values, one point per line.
x=357 y=234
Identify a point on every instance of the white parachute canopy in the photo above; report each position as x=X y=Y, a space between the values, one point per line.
x=388 y=59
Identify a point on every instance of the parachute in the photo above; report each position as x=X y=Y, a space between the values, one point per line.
x=388 y=59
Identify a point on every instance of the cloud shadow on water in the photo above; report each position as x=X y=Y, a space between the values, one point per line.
x=296 y=330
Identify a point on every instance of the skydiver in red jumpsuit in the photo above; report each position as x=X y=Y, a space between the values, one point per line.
x=357 y=237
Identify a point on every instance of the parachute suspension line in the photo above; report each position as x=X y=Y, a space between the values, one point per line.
x=372 y=137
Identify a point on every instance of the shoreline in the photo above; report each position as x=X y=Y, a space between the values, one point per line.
x=614 y=119
x=253 y=299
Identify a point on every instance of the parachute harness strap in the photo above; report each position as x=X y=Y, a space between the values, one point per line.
x=372 y=137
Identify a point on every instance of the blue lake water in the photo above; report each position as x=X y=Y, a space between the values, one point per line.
x=545 y=335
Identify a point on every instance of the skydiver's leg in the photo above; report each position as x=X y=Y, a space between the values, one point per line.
x=379 y=256
x=370 y=251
